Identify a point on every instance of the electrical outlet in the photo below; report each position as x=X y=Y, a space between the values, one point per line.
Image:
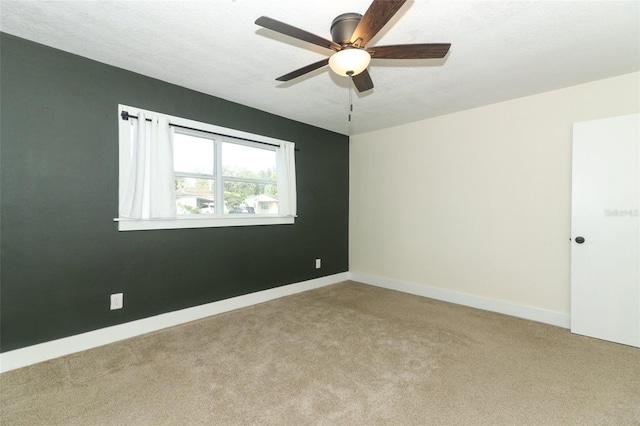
x=117 y=300
x=318 y=263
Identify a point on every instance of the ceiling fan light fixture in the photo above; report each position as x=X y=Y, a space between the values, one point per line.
x=349 y=61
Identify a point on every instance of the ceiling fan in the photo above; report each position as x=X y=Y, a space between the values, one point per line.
x=350 y=33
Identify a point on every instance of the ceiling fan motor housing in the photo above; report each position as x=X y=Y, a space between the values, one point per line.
x=343 y=26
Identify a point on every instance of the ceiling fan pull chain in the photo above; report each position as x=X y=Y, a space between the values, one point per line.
x=350 y=98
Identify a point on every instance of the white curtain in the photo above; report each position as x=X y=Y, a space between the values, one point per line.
x=150 y=190
x=287 y=179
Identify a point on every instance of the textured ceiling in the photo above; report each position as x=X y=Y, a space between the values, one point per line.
x=500 y=50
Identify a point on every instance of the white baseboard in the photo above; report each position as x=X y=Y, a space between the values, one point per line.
x=546 y=316
x=56 y=348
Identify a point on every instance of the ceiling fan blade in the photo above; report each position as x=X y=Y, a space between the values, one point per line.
x=303 y=70
x=374 y=19
x=294 y=32
x=362 y=81
x=410 y=51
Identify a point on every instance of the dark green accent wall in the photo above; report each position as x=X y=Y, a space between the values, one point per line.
x=61 y=253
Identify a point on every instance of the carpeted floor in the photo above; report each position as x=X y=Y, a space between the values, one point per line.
x=347 y=354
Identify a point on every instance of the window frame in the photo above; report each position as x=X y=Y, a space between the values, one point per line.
x=218 y=135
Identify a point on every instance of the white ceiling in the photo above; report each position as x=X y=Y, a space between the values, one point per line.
x=500 y=50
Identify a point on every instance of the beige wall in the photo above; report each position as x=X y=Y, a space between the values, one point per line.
x=478 y=201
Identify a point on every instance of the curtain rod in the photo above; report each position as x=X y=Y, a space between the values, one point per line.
x=126 y=116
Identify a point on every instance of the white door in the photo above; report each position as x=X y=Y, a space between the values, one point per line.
x=605 y=245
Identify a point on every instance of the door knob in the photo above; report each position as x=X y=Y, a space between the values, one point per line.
x=579 y=240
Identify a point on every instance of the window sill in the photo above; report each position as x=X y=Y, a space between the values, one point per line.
x=187 y=222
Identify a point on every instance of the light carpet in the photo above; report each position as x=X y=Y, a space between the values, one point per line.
x=346 y=354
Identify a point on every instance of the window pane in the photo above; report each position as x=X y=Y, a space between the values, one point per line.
x=250 y=198
x=195 y=196
x=248 y=162
x=192 y=154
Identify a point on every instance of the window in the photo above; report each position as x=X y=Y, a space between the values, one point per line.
x=248 y=172
x=178 y=173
